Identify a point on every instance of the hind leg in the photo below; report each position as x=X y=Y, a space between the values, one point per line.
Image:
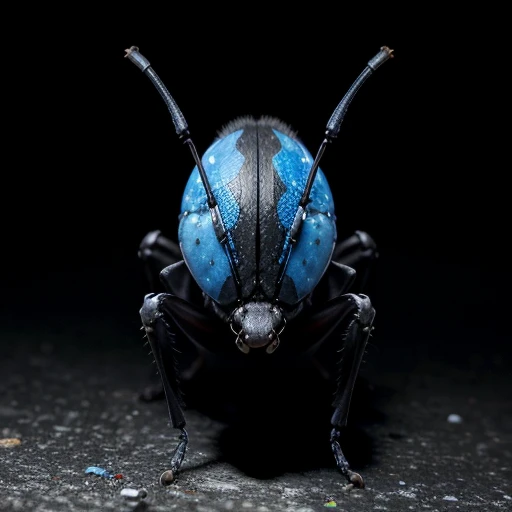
x=157 y=252
x=358 y=251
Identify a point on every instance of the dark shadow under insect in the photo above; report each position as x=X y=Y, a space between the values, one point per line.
x=278 y=424
x=258 y=283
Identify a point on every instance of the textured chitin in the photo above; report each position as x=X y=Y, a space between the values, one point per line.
x=312 y=253
x=262 y=266
x=203 y=253
x=257 y=174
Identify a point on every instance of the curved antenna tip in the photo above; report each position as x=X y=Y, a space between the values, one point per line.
x=379 y=59
x=130 y=50
x=388 y=50
x=139 y=60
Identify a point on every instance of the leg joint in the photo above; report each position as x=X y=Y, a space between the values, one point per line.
x=150 y=310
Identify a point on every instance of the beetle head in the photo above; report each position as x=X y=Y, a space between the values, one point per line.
x=257 y=324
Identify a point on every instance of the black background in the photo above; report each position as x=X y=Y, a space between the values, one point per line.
x=92 y=162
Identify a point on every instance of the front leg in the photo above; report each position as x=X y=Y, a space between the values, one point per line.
x=168 y=319
x=360 y=313
x=348 y=318
x=162 y=342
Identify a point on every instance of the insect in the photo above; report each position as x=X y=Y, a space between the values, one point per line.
x=258 y=269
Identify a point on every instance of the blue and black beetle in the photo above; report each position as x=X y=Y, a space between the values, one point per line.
x=258 y=260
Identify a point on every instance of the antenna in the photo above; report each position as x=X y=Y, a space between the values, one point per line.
x=181 y=126
x=331 y=132
x=334 y=124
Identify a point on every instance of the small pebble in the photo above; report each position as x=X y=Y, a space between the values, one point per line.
x=133 y=494
x=9 y=442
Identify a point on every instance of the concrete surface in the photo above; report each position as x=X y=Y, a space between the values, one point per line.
x=73 y=408
x=73 y=364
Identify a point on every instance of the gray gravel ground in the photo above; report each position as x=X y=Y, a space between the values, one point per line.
x=71 y=410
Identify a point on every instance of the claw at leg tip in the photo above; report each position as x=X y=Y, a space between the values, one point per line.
x=167 y=478
x=357 y=480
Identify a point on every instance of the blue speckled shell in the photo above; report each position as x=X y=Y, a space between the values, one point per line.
x=257 y=174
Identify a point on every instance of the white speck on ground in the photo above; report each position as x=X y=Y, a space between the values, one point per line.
x=454 y=418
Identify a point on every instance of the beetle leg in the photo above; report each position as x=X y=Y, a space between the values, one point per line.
x=358 y=251
x=157 y=252
x=350 y=317
x=361 y=315
x=167 y=319
x=162 y=342
x=177 y=457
